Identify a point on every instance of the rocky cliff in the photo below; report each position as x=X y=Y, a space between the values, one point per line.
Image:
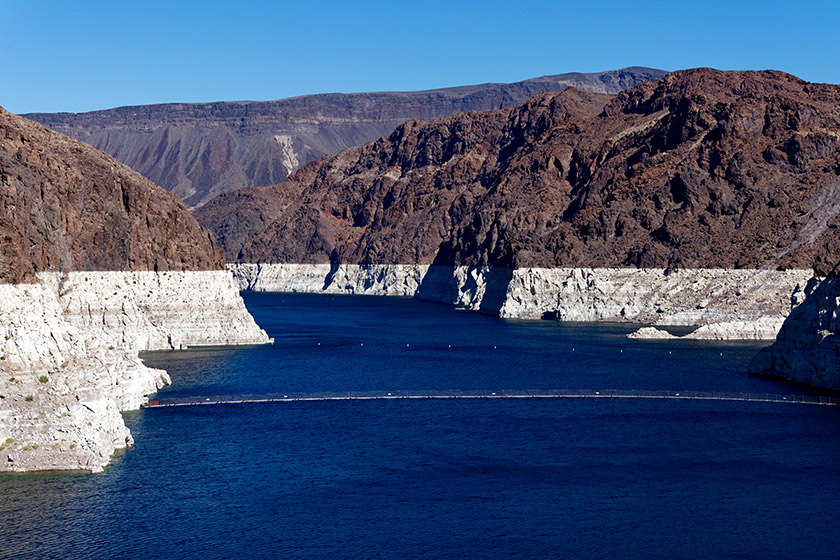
x=200 y=150
x=725 y=303
x=700 y=169
x=97 y=264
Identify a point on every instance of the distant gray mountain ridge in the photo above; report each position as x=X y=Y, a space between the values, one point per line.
x=200 y=150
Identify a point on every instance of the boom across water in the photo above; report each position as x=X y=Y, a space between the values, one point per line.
x=503 y=394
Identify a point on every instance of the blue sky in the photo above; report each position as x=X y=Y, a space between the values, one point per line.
x=87 y=55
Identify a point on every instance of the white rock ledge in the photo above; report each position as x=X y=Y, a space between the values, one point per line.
x=724 y=303
x=69 y=356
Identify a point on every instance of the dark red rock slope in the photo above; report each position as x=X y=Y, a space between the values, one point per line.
x=66 y=206
x=701 y=168
x=199 y=150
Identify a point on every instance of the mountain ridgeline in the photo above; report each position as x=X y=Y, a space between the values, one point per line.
x=201 y=150
x=698 y=169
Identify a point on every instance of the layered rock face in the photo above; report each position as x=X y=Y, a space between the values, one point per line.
x=201 y=150
x=62 y=388
x=69 y=356
x=145 y=310
x=97 y=264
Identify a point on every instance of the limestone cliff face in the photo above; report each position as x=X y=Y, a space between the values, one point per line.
x=700 y=169
x=201 y=150
x=807 y=348
x=97 y=264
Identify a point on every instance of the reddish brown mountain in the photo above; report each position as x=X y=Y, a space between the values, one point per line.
x=199 y=150
x=66 y=206
x=701 y=168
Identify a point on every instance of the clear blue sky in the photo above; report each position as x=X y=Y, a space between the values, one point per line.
x=85 y=55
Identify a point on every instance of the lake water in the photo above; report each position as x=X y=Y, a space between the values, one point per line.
x=512 y=478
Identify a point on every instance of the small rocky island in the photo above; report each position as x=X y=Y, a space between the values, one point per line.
x=97 y=264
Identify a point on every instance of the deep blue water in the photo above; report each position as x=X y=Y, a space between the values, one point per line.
x=515 y=478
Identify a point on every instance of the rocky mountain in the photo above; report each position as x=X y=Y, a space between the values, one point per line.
x=66 y=206
x=699 y=169
x=97 y=264
x=201 y=150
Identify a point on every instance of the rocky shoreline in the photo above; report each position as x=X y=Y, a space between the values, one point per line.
x=69 y=356
x=725 y=304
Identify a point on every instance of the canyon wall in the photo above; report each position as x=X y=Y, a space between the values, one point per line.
x=97 y=264
x=725 y=304
x=574 y=205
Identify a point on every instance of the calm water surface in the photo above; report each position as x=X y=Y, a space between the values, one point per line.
x=519 y=478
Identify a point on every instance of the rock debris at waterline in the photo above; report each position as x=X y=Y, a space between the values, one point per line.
x=69 y=356
x=726 y=304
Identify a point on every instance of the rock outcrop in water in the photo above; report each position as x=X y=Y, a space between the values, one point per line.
x=807 y=348
x=97 y=264
x=201 y=150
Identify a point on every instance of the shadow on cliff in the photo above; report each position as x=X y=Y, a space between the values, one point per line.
x=480 y=288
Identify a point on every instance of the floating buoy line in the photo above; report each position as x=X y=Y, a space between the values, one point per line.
x=502 y=394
